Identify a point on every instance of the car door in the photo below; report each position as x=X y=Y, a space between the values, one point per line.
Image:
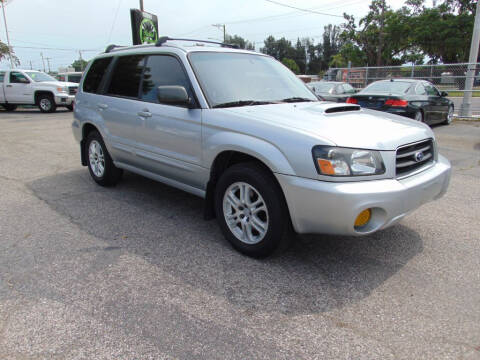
x=169 y=136
x=420 y=99
x=438 y=109
x=119 y=106
x=18 y=89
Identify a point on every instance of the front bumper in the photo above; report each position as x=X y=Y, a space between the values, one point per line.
x=332 y=207
x=64 y=99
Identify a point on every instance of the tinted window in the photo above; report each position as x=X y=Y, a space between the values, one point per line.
x=391 y=87
x=16 y=77
x=160 y=71
x=431 y=90
x=95 y=74
x=2 y=75
x=126 y=76
x=74 y=78
x=348 y=89
x=420 y=89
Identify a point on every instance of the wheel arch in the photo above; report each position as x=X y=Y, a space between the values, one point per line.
x=87 y=128
x=38 y=93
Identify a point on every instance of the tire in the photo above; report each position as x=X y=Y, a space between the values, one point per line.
x=449 y=118
x=9 y=107
x=256 y=230
x=419 y=116
x=100 y=164
x=70 y=107
x=46 y=103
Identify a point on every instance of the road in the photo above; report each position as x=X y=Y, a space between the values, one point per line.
x=133 y=272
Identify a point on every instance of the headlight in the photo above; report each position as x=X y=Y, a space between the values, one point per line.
x=337 y=161
x=62 y=89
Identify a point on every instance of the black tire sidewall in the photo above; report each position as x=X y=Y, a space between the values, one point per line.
x=270 y=191
x=53 y=106
x=111 y=173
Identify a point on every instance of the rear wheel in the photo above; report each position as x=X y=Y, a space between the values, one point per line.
x=449 y=119
x=9 y=107
x=100 y=164
x=251 y=210
x=46 y=103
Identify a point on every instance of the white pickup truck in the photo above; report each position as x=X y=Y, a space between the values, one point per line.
x=29 y=87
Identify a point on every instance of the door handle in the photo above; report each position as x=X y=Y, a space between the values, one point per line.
x=145 y=113
x=102 y=106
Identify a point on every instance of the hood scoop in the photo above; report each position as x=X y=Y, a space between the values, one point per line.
x=342 y=108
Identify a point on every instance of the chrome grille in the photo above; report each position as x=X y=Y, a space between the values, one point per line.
x=412 y=157
x=72 y=90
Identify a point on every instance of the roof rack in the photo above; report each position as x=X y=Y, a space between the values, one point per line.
x=111 y=47
x=164 y=39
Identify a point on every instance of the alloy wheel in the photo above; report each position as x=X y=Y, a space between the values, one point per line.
x=96 y=158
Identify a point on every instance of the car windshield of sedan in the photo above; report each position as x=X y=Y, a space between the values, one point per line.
x=239 y=79
x=321 y=87
x=39 y=76
x=390 y=87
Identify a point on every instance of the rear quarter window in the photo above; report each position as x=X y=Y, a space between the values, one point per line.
x=2 y=76
x=95 y=74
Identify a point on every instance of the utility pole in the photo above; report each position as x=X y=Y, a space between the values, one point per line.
x=224 y=31
x=380 y=36
x=43 y=61
x=31 y=67
x=48 y=62
x=141 y=5
x=8 y=37
x=466 y=108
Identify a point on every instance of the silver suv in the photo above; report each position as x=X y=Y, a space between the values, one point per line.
x=238 y=129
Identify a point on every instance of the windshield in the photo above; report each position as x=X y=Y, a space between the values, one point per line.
x=232 y=79
x=39 y=76
x=391 y=87
x=321 y=87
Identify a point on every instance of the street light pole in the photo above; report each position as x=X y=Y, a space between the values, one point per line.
x=466 y=108
x=8 y=38
x=224 y=31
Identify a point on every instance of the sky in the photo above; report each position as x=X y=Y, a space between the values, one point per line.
x=59 y=29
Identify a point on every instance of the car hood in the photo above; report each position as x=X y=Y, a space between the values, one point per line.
x=358 y=128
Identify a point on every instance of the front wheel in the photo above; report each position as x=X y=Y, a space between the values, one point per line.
x=251 y=210
x=46 y=103
x=100 y=164
x=449 y=119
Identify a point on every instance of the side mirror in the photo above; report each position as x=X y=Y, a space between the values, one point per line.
x=444 y=94
x=174 y=95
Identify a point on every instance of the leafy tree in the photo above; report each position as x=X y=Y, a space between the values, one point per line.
x=240 y=42
x=291 y=64
x=79 y=65
x=5 y=54
x=279 y=49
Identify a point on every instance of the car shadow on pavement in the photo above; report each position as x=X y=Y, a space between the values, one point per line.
x=164 y=226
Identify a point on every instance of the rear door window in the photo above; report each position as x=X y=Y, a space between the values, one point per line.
x=2 y=76
x=95 y=74
x=162 y=70
x=126 y=76
x=420 y=89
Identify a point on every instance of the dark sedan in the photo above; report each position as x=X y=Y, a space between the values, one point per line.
x=332 y=90
x=416 y=99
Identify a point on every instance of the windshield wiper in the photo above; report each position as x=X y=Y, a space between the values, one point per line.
x=243 y=103
x=295 y=99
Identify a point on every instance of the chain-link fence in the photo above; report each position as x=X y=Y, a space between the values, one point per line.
x=451 y=78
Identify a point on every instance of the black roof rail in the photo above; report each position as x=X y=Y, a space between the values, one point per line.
x=164 y=39
x=111 y=47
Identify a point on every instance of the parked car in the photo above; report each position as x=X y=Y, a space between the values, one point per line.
x=240 y=130
x=416 y=99
x=332 y=90
x=29 y=87
x=70 y=76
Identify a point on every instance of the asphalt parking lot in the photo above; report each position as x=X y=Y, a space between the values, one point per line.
x=133 y=272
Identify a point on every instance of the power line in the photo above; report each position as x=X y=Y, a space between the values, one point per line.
x=59 y=49
x=305 y=10
x=114 y=21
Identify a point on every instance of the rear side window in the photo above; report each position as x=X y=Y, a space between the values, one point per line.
x=2 y=75
x=126 y=76
x=95 y=74
x=162 y=70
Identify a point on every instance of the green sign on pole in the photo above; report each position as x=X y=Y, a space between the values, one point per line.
x=144 y=27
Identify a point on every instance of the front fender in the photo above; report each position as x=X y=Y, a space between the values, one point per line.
x=264 y=151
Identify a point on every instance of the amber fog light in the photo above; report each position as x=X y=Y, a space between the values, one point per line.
x=363 y=218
